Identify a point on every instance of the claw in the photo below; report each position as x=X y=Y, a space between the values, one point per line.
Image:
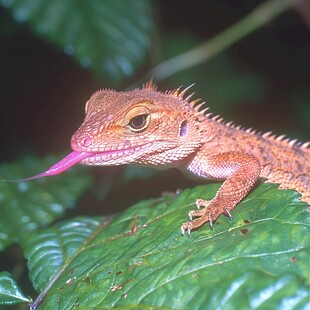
x=182 y=231
x=188 y=231
x=211 y=221
x=228 y=214
x=186 y=228
x=198 y=203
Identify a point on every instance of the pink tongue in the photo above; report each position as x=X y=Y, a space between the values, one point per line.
x=63 y=165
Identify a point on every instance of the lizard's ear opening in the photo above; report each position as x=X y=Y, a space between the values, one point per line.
x=183 y=128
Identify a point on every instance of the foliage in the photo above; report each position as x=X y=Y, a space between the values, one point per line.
x=10 y=293
x=139 y=258
x=30 y=205
x=105 y=36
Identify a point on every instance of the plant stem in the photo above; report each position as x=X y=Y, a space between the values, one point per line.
x=253 y=21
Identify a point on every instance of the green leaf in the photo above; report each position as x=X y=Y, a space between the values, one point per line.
x=26 y=206
x=111 y=37
x=10 y=293
x=258 y=260
x=56 y=247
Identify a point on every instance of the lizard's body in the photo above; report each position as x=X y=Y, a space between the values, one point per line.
x=165 y=130
x=281 y=160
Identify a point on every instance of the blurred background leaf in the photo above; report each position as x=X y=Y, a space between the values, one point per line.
x=104 y=36
x=10 y=293
x=26 y=206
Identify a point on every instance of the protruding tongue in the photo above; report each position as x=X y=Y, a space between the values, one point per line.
x=63 y=165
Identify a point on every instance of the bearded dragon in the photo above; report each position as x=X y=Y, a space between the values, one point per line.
x=170 y=130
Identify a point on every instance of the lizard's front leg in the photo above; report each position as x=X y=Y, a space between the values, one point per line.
x=240 y=172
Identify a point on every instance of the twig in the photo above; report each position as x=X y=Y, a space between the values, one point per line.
x=253 y=21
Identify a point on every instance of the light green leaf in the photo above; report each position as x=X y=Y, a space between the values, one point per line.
x=57 y=246
x=10 y=293
x=111 y=37
x=26 y=206
x=140 y=260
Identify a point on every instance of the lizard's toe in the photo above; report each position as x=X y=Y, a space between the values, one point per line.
x=202 y=203
x=202 y=216
x=186 y=227
x=196 y=213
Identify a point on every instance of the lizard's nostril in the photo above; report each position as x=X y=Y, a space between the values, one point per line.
x=87 y=141
x=81 y=142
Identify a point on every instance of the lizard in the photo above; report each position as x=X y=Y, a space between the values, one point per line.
x=168 y=129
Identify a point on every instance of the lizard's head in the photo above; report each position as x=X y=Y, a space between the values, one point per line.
x=142 y=126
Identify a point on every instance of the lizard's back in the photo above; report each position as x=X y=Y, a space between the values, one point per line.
x=283 y=161
x=288 y=164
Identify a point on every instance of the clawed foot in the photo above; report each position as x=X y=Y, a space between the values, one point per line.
x=196 y=223
x=209 y=213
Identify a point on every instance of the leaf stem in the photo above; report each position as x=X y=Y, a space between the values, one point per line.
x=263 y=14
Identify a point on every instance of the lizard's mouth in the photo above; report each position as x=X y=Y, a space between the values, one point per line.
x=109 y=157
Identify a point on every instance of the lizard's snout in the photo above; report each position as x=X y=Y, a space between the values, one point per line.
x=81 y=143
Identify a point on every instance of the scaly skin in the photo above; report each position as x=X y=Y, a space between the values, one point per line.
x=165 y=130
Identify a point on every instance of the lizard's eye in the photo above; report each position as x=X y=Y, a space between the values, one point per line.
x=138 y=117
x=139 y=122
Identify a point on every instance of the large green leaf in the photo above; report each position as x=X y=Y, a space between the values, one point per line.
x=139 y=259
x=25 y=206
x=10 y=293
x=111 y=37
